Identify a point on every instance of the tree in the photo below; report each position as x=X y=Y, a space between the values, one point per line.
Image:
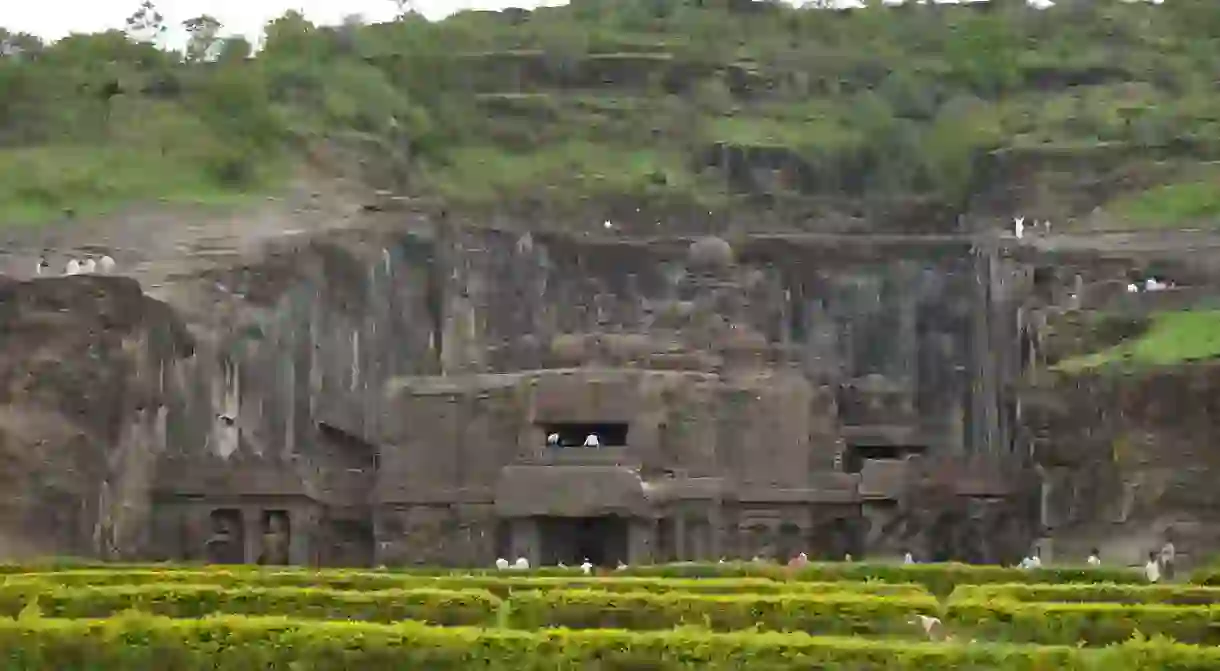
x=146 y=24
x=18 y=45
x=204 y=42
x=406 y=8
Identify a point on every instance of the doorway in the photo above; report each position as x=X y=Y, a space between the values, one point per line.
x=571 y=540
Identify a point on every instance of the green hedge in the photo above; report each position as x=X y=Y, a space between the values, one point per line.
x=940 y=579
x=844 y=614
x=469 y=607
x=1209 y=575
x=1088 y=623
x=830 y=613
x=135 y=643
x=277 y=644
x=1169 y=594
x=501 y=585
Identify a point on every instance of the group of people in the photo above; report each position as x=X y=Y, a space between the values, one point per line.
x=523 y=564
x=86 y=266
x=1160 y=565
x=591 y=440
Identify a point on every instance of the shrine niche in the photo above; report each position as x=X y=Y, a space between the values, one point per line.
x=226 y=543
x=276 y=538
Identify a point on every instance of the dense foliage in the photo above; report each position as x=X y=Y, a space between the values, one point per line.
x=637 y=103
x=273 y=618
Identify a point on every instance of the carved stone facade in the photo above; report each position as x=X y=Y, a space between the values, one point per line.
x=782 y=395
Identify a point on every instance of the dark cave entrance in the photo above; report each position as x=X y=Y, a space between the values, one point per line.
x=572 y=540
x=573 y=434
x=858 y=454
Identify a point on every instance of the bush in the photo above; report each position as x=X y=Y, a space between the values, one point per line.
x=1206 y=576
x=469 y=607
x=845 y=614
x=132 y=643
x=500 y=585
x=1089 y=623
x=141 y=643
x=940 y=579
x=838 y=613
x=1179 y=595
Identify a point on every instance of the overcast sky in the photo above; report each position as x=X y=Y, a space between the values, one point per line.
x=53 y=19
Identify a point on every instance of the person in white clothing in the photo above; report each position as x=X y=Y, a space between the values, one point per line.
x=1095 y=557
x=1152 y=570
x=908 y=558
x=586 y=567
x=552 y=440
x=592 y=441
x=1034 y=560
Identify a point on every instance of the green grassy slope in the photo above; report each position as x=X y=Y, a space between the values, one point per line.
x=658 y=102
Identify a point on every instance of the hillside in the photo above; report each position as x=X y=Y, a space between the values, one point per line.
x=1098 y=113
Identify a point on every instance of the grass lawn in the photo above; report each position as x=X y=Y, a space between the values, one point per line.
x=1172 y=338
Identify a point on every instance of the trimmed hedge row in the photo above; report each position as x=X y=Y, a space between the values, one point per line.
x=500 y=585
x=1166 y=594
x=1208 y=575
x=1089 y=623
x=941 y=579
x=841 y=614
x=133 y=643
x=450 y=608
x=815 y=613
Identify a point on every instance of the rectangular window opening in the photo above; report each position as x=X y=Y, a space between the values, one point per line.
x=575 y=434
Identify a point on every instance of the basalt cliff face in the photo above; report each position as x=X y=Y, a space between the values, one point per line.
x=1129 y=458
x=276 y=384
x=88 y=366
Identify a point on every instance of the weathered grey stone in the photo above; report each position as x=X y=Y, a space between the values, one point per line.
x=389 y=396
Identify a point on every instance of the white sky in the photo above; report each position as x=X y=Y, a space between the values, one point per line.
x=53 y=19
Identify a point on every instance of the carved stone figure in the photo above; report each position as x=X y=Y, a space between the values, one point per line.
x=275 y=540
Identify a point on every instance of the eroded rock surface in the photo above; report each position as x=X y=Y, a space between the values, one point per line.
x=85 y=369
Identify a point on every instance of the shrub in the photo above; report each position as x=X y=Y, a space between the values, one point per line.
x=469 y=607
x=1180 y=595
x=940 y=579
x=132 y=643
x=845 y=614
x=500 y=585
x=1089 y=623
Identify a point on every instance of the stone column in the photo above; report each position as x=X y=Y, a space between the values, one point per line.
x=680 y=535
x=640 y=539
